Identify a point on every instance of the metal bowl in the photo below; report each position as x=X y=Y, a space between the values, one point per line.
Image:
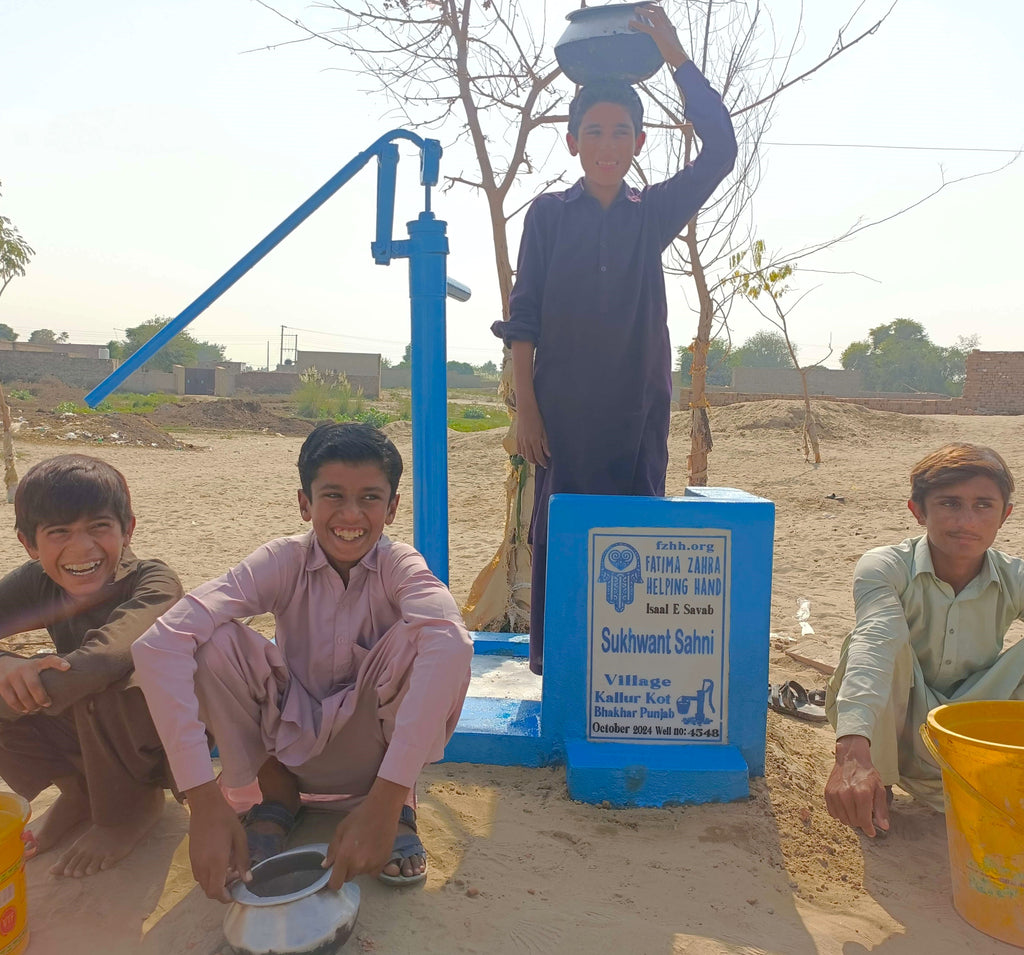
x=287 y=908
x=599 y=45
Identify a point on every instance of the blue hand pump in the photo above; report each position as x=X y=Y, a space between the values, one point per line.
x=427 y=252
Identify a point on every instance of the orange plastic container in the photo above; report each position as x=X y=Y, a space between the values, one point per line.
x=14 y=813
x=980 y=748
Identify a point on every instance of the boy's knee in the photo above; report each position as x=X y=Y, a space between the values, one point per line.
x=229 y=644
x=235 y=654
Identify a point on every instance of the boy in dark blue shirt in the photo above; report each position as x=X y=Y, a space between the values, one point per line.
x=588 y=326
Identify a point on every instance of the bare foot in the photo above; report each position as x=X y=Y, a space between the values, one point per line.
x=101 y=847
x=69 y=809
x=412 y=866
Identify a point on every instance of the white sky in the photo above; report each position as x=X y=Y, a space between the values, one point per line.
x=142 y=152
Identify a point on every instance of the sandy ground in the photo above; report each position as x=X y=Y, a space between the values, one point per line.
x=772 y=874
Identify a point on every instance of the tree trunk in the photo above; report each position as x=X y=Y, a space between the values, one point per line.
x=10 y=473
x=701 y=443
x=810 y=428
x=499 y=599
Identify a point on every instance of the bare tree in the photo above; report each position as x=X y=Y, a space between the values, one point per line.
x=483 y=70
x=735 y=46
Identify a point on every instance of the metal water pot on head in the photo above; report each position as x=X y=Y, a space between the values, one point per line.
x=599 y=44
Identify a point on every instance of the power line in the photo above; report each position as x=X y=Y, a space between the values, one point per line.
x=952 y=149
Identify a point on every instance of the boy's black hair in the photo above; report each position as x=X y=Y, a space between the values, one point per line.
x=606 y=91
x=68 y=488
x=351 y=443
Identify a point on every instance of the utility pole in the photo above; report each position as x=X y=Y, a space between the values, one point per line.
x=281 y=362
x=268 y=356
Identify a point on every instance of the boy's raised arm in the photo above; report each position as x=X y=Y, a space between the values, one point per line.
x=680 y=197
x=56 y=682
x=105 y=654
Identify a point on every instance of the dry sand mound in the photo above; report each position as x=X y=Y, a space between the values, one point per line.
x=46 y=394
x=835 y=419
x=233 y=414
x=95 y=429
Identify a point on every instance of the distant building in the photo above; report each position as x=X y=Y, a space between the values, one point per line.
x=58 y=348
x=362 y=369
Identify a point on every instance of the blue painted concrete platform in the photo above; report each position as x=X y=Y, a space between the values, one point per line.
x=656 y=656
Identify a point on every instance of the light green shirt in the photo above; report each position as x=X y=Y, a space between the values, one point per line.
x=899 y=600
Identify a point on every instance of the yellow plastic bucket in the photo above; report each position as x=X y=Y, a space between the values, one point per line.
x=14 y=813
x=980 y=748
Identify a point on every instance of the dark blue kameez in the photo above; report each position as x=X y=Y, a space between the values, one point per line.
x=590 y=294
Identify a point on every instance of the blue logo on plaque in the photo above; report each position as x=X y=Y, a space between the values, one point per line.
x=620 y=571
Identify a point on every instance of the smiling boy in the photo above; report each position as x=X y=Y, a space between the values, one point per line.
x=931 y=616
x=362 y=687
x=73 y=716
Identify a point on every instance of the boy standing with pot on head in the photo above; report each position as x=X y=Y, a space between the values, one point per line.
x=931 y=616
x=587 y=326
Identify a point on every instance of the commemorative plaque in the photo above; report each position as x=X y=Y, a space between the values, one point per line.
x=658 y=634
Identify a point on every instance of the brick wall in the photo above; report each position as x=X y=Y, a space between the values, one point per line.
x=402 y=378
x=146 y=382
x=995 y=382
x=267 y=382
x=84 y=373
x=786 y=381
x=900 y=405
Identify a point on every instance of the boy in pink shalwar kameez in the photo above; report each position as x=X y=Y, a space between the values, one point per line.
x=362 y=687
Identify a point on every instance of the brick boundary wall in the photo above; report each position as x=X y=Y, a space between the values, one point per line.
x=995 y=382
x=267 y=382
x=82 y=373
x=899 y=405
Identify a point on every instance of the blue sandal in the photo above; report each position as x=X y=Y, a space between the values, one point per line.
x=263 y=845
x=406 y=844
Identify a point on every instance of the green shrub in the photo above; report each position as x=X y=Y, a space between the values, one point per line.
x=373 y=416
x=68 y=407
x=129 y=403
x=20 y=394
x=327 y=395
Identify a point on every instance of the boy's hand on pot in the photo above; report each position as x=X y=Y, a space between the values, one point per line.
x=531 y=437
x=217 y=847
x=20 y=686
x=363 y=841
x=658 y=27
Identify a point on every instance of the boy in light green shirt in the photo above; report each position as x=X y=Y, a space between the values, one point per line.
x=931 y=616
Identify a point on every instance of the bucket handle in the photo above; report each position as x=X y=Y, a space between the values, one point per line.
x=945 y=766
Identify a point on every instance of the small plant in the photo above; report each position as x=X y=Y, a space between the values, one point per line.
x=474 y=418
x=405 y=408
x=20 y=394
x=67 y=407
x=129 y=403
x=373 y=416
